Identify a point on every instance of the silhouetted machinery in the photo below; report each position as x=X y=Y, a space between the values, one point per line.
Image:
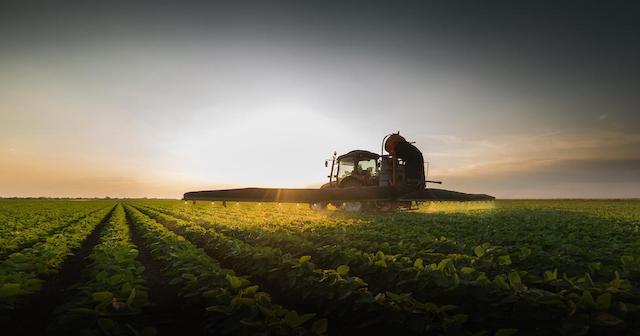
x=359 y=180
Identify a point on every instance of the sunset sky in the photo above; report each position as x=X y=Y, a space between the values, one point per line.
x=156 y=99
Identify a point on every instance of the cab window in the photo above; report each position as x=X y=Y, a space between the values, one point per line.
x=368 y=167
x=345 y=168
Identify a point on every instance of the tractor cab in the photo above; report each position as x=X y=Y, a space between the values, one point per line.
x=357 y=168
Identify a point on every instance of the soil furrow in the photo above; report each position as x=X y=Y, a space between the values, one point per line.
x=169 y=314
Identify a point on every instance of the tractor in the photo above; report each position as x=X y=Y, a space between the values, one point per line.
x=358 y=180
x=403 y=165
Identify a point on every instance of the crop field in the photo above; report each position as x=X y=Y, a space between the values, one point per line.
x=147 y=267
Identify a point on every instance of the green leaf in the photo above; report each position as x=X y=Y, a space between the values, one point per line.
x=616 y=282
x=320 y=326
x=459 y=318
x=504 y=260
x=115 y=279
x=626 y=260
x=304 y=259
x=525 y=252
x=234 y=281
x=398 y=297
x=501 y=282
x=131 y=297
x=514 y=280
x=306 y=317
x=251 y=290
x=358 y=281
x=10 y=290
x=102 y=296
x=588 y=280
x=483 y=280
x=210 y=294
x=292 y=318
x=189 y=276
x=623 y=307
x=506 y=332
x=419 y=264
x=479 y=251
x=442 y=265
x=606 y=319
x=18 y=258
x=595 y=266
x=448 y=308
x=467 y=270
x=343 y=270
x=381 y=263
x=430 y=307
x=587 y=299
x=455 y=280
x=551 y=276
x=126 y=288
x=604 y=301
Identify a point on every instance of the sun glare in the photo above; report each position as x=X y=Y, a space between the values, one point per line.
x=259 y=149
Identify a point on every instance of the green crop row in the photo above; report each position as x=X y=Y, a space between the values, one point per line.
x=330 y=250
x=383 y=272
x=521 y=285
x=334 y=293
x=233 y=303
x=525 y=267
x=23 y=273
x=570 y=241
x=19 y=215
x=111 y=297
x=24 y=224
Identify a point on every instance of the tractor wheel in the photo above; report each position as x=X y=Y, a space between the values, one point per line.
x=351 y=182
x=352 y=206
x=385 y=206
x=318 y=206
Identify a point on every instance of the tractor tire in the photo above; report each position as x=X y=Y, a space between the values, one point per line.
x=351 y=182
x=353 y=206
x=318 y=206
x=385 y=206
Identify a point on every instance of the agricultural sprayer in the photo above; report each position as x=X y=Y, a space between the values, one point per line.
x=358 y=180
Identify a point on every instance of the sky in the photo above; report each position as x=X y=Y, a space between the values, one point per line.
x=513 y=99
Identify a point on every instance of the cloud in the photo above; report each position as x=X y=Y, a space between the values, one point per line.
x=565 y=163
x=537 y=151
x=556 y=179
